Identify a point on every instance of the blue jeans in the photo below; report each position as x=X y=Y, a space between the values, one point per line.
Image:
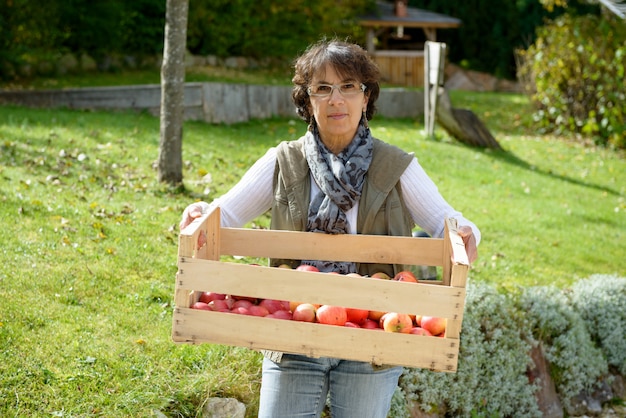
x=298 y=387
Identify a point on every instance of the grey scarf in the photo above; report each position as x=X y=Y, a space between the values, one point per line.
x=340 y=179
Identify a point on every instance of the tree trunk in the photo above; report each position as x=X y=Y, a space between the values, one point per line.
x=170 y=164
x=463 y=124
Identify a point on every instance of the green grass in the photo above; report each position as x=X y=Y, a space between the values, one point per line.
x=89 y=241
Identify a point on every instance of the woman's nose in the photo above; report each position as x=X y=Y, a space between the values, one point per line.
x=335 y=96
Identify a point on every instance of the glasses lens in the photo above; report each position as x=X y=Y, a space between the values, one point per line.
x=324 y=90
x=321 y=90
x=349 y=88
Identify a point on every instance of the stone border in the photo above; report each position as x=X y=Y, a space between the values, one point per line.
x=208 y=102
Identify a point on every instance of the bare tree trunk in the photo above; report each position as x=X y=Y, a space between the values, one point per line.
x=463 y=124
x=170 y=163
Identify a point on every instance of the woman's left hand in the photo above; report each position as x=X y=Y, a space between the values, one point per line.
x=470 y=242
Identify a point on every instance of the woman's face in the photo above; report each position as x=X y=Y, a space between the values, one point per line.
x=337 y=116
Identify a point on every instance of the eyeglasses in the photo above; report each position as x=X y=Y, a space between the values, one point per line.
x=346 y=89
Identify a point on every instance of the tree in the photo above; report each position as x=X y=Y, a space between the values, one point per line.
x=170 y=164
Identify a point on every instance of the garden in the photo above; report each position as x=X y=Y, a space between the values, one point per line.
x=89 y=243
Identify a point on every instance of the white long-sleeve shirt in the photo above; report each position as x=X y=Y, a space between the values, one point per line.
x=252 y=196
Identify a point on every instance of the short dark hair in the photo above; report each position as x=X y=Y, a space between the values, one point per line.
x=348 y=59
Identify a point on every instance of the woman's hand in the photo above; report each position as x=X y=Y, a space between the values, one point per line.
x=469 y=240
x=191 y=212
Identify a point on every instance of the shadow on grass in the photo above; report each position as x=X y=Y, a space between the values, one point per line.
x=510 y=158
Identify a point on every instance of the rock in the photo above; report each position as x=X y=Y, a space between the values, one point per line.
x=547 y=398
x=236 y=62
x=224 y=408
x=460 y=81
x=87 y=63
x=212 y=61
x=618 y=386
x=416 y=412
x=458 y=78
x=590 y=404
x=68 y=63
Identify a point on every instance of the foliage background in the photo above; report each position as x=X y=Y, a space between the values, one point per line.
x=32 y=29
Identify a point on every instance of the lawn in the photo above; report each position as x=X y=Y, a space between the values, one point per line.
x=89 y=242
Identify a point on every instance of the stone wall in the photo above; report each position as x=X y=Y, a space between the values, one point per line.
x=209 y=102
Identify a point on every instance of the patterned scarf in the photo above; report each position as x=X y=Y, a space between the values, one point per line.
x=340 y=179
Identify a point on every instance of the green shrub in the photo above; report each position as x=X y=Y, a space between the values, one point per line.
x=493 y=359
x=576 y=364
x=601 y=302
x=269 y=29
x=575 y=72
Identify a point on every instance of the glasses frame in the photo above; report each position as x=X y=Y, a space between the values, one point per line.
x=332 y=89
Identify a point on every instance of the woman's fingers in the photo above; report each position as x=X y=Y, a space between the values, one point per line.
x=469 y=239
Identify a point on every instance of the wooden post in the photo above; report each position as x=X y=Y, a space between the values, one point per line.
x=434 y=59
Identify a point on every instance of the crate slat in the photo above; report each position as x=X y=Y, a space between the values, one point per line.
x=284 y=284
x=316 y=340
x=305 y=245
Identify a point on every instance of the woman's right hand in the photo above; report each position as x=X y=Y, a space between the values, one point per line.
x=191 y=212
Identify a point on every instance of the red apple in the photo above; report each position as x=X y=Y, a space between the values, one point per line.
x=305 y=312
x=381 y=320
x=240 y=310
x=405 y=276
x=242 y=303
x=381 y=275
x=280 y=315
x=351 y=325
x=201 y=305
x=358 y=316
x=397 y=322
x=293 y=305
x=332 y=315
x=207 y=297
x=248 y=298
x=307 y=267
x=258 y=310
x=219 y=305
x=375 y=315
x=272 y=305
x=434 y=325
x=370 y=324
x=420 y=331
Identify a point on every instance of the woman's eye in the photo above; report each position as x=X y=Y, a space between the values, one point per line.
x=323 y=89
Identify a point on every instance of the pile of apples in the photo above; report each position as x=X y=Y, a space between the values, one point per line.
x=327 y=314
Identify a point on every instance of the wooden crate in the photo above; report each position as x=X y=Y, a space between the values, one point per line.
x=200 y=269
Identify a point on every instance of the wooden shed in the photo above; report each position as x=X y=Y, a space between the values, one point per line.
x=396 y=35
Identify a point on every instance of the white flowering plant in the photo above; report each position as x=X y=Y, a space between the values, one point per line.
x=581 y=332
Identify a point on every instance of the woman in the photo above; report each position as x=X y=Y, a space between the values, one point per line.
x=335 y=179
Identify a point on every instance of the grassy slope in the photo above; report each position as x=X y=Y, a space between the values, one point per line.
x=89 y=243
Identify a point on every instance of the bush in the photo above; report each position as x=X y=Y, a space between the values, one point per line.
x=575 y=73
x=493 y=361
x=577 y=365
x=581 y=331
x=601 y=302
